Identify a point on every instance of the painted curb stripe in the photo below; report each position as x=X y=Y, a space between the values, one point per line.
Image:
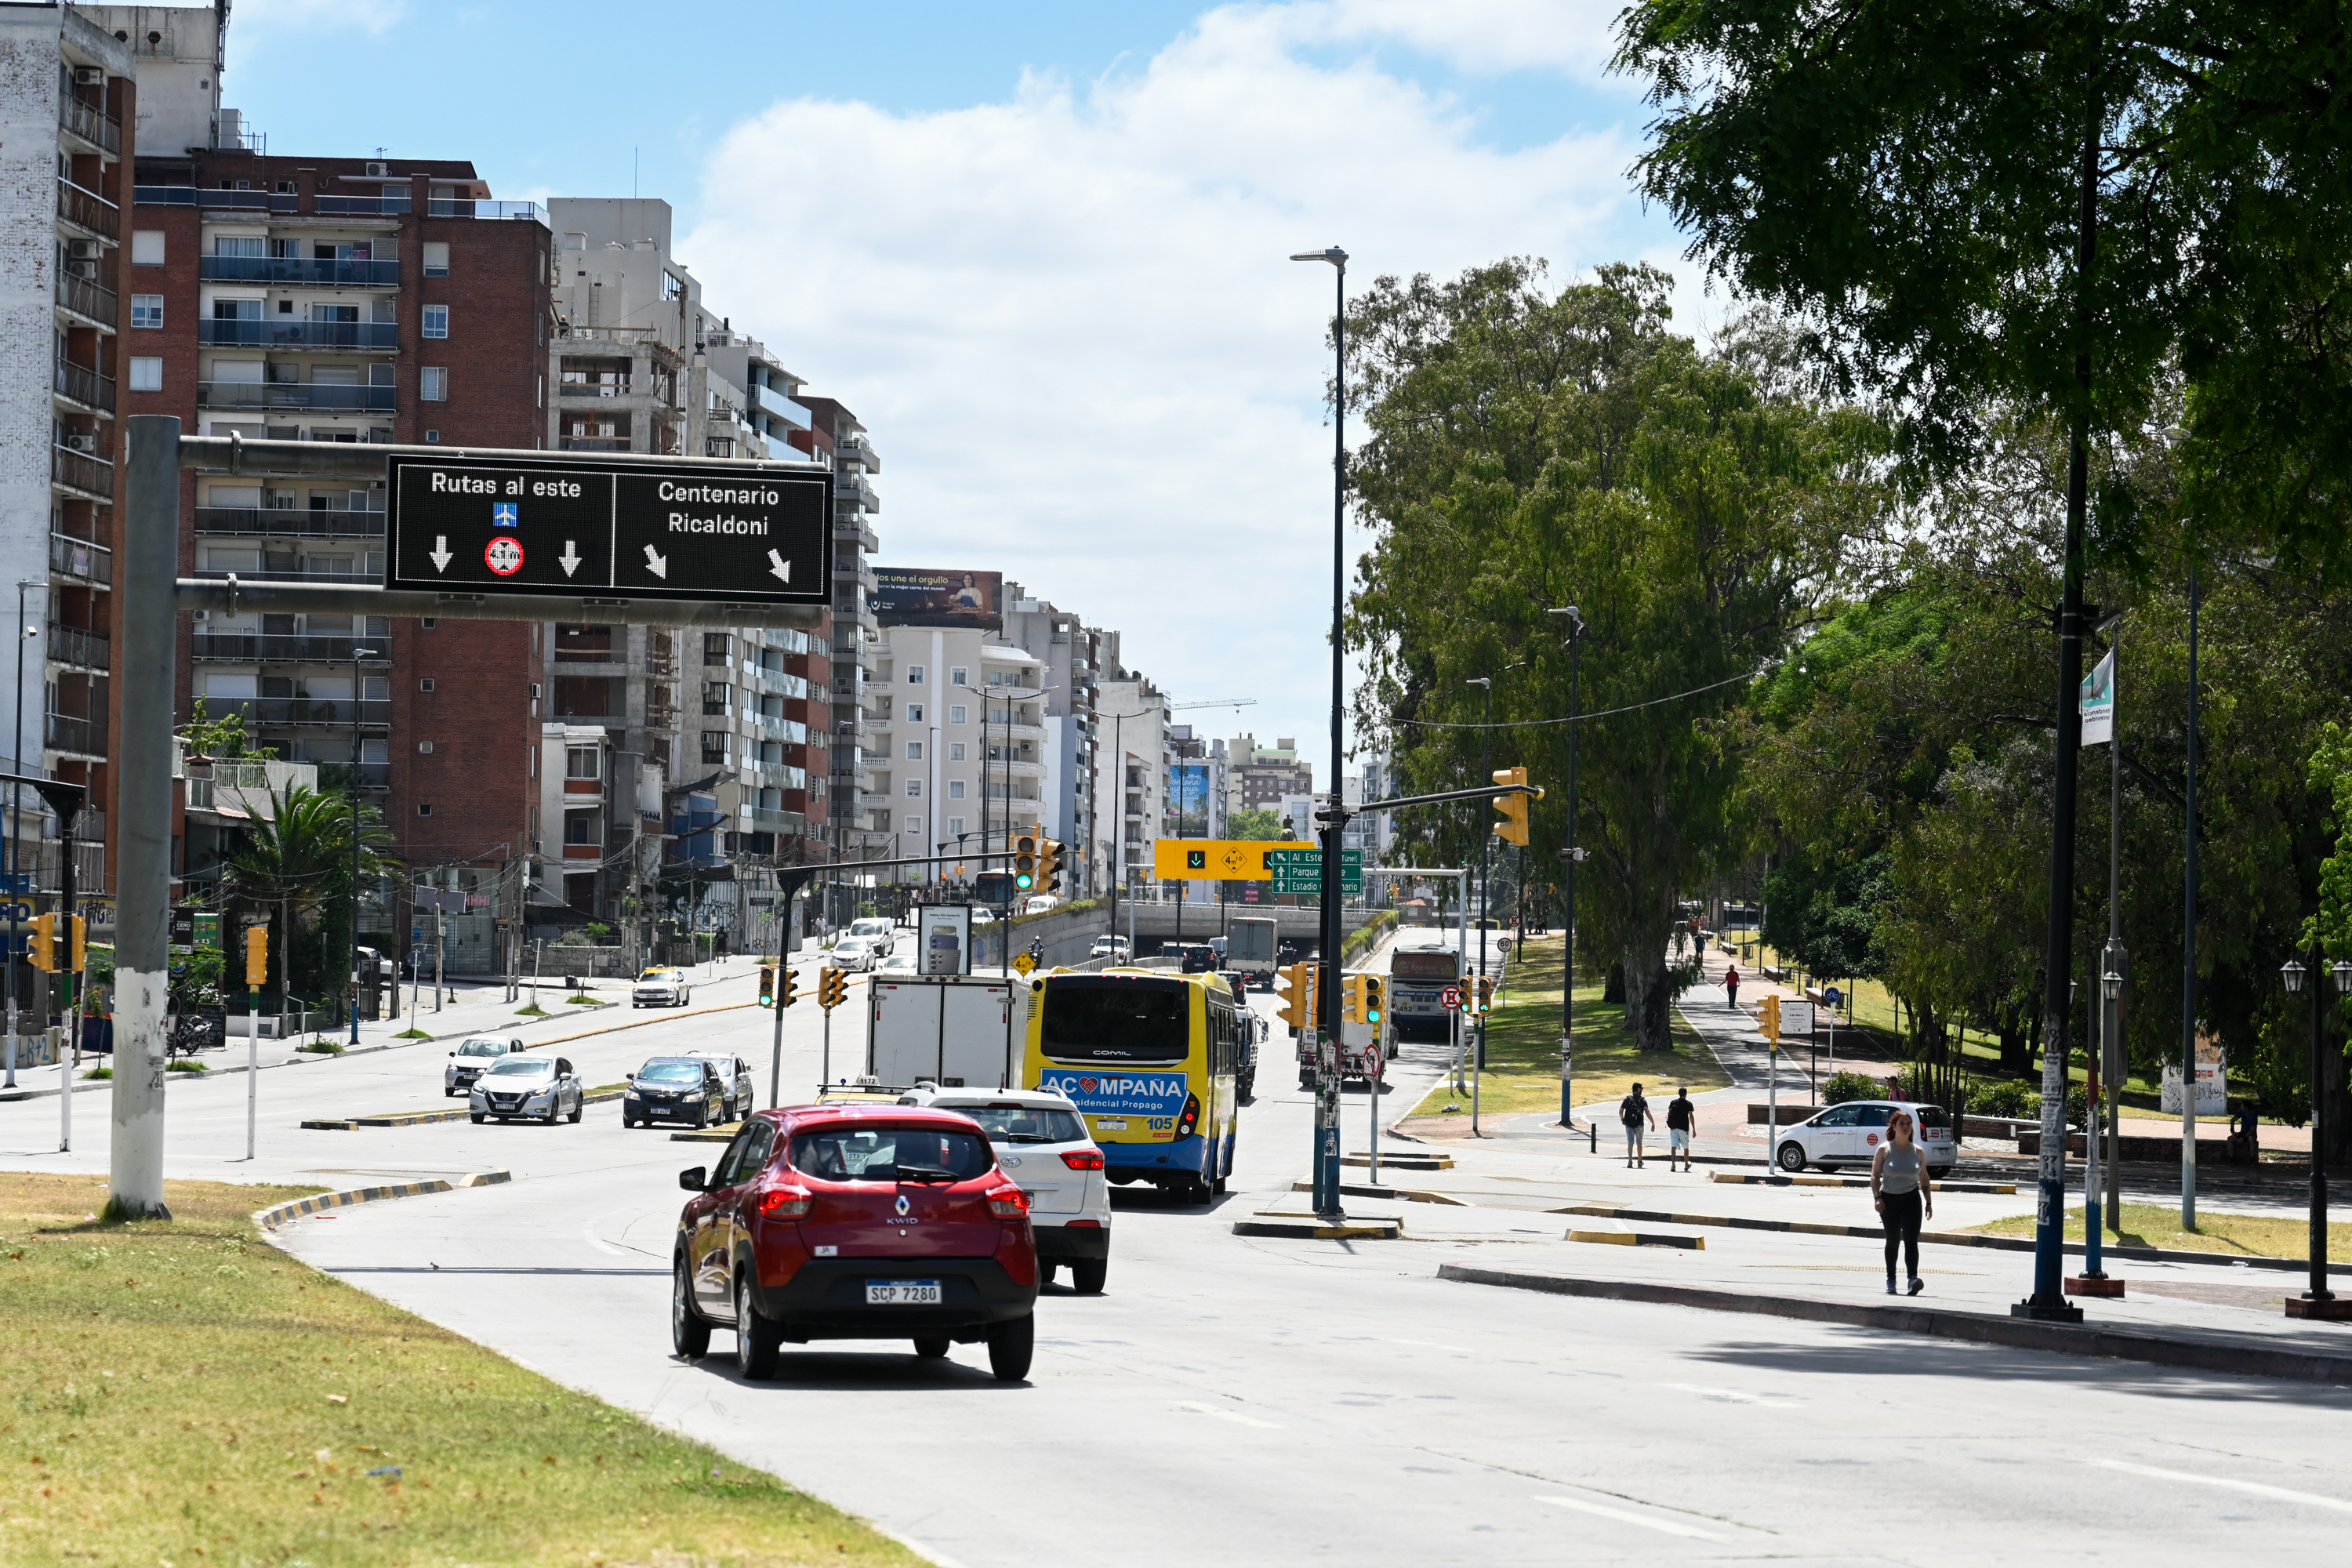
x=1640 y=1239
x=277 y=1214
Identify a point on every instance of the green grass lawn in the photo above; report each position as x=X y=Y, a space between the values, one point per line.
x=1523 y=1047
x=2153 y=1224
x=183 y=1392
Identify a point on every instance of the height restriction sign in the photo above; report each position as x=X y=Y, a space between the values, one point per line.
x=749 y=533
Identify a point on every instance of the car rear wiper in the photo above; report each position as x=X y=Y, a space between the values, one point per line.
x=1027 y=1138
x=927 y=1174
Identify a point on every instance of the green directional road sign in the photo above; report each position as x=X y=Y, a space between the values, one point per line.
x=1301 y=870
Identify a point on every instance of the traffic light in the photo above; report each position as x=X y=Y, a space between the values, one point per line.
x=832 y=988
x=1049 y=864
x=767 y=985
x=57 y=946
x=1769 y=1014
x=1513 y=828
x=1376 y=987
x=44 y=943
x=791 y=992
x=1486 y=999
x=1294 y=989
x=80 y=929
x=1024 y=861
x=1352 y=998
x=257 y=957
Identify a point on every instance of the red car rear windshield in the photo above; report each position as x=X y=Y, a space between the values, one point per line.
x=865 y=1153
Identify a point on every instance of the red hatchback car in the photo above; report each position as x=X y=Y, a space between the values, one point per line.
x=855 y=1222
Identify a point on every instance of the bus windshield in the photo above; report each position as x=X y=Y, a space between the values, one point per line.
x=1102 y=1018
x=1425 y=963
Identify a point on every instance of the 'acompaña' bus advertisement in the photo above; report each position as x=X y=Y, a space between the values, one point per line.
x=1150 y=1060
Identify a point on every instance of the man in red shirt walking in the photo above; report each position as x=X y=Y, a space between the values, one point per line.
x=1731 y=986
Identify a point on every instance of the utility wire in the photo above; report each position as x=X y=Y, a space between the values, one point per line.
x=1580 y=718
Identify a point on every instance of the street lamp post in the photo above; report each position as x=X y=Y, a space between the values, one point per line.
x=1568 y=858
x=1327 y=1060
x=2318 y=1300
x=358 y=653
x=24 y=634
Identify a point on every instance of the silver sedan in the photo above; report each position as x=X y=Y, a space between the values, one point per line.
x=538 y=1088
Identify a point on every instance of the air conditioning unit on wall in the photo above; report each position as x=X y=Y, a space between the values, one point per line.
x=81 y=443
x=89 y=75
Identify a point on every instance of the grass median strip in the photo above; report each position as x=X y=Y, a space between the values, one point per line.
x=1523 y=1049
x=183 y=1391
x=2232 y=1234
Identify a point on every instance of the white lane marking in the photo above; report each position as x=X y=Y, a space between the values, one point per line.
x=1667 y=1526
x=588 y=1232
x=1199 y=1409
x=2257 y=1487
x=1735 y=1397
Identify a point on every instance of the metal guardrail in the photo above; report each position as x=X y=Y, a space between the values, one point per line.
x=85 y=297
x=216 y=332
x=88 y=209
x=84 y=386
x=79 y=557
x=290 y=522
x=65 y=732
x=91 y=124
x=459 y=206
x=307 y=711
x=298 y=269
x=78 y=644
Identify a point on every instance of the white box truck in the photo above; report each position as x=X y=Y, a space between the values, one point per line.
x=1250 y=945
x=950 y=1030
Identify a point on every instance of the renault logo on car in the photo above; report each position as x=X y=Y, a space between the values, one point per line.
x=902 y=1205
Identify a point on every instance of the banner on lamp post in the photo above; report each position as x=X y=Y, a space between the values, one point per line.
x=2098 y=703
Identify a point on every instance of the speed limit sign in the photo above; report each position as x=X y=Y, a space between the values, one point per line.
x=1451 y=998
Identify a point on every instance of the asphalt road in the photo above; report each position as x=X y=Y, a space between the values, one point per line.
x=1250 y=1401
x=1276 y=1401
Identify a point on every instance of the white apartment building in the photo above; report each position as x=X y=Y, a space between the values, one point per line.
x=1131 y=777
x=1072 y=655
x=958 y=720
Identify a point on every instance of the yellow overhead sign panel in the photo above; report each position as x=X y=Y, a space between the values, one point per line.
x=1217 y=859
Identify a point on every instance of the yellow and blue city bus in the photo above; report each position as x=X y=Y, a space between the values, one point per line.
x=1151 y=1060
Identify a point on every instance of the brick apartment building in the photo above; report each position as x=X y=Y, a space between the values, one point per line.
x=352 y=300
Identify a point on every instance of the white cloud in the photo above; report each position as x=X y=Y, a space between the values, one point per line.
x=1070 y=322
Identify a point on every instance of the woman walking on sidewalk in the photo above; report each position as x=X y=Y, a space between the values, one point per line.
x=1731 y=986
x=1899 y=1185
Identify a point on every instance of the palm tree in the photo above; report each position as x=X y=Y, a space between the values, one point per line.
x=299 y=860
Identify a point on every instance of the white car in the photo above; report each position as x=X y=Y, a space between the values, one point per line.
x=1039 y=904
x=1041 y=1143
x=899 y=964
x=878 y=933
x=1109 y=947
x=474 y=1057
x=851 y=952
x=1851 y=1135
x=661 y=987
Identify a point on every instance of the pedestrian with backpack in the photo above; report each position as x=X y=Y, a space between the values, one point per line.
x=1634 y=1112
x=1682 y=1121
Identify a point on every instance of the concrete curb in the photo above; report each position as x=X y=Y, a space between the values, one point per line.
x=1979 y=1328
x=418 y=1117
x=1352 y=1230
x=1950 y=1238
x=1941 y=1185
x=1400 y=1195
x=1640 y=1239
x=277 y=1214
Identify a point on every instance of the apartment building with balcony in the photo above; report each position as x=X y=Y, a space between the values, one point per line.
x=355 y=300
x=68 y=104
x=1070 y=655
x=1132 y=779
x=1260 y=777
x=733 y=723
x=958 y=741
x=836 y=436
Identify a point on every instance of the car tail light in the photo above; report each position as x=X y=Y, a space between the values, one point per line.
x=1007 y=1201
x=785 y=1203
x=1191 y=1114
x=1083 y=1159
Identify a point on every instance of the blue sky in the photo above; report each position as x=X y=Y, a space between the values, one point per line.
x=1038 y=247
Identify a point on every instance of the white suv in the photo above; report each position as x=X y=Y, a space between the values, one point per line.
x=1851 y=1135
x=879 y=933
x=661 y=987
x=1041 y=1143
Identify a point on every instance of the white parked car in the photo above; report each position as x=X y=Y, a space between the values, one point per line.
x=899 y=964
x=1109 y=947
x=1041 y=1143
x=661 y=987
x=851 y=952
x=878 y=933
x=1039 y=903
x=1850 y=1134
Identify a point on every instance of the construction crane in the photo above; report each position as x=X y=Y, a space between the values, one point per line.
x=1221 y=702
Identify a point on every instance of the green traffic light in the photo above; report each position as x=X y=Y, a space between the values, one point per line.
x=1023 y=880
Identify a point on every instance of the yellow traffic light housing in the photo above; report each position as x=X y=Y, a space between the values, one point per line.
x=80 y=930
x=1024 y=861
x=1352 y=998
x=1515 y=808
x=44 y=943
x=1294 y=988
x=790 y=991
x=1769 y=1014
x=257 y=957
x=832 y=988
x=1049 y=864
x=767 y=985
x=1375 y=997
x=1485 y=998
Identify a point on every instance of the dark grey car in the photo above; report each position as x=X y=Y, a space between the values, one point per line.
x=675 y=1089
